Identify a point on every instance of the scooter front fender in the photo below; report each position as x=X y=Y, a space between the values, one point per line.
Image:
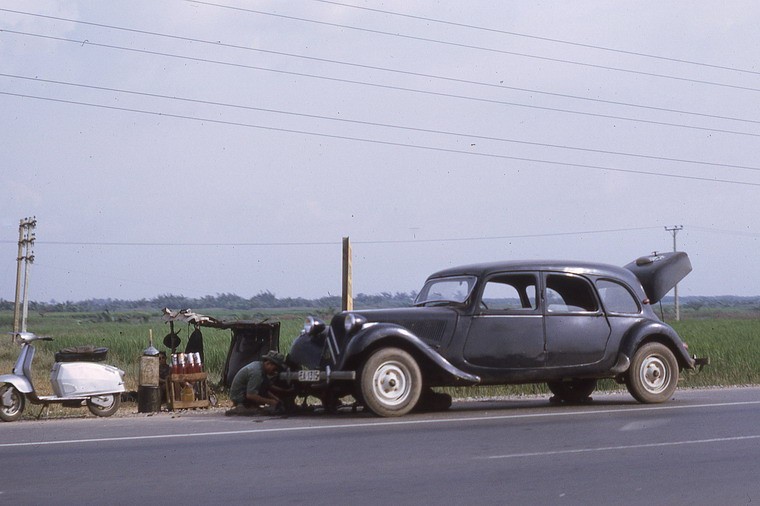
x=22 y=384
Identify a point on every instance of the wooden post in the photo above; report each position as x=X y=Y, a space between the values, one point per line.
x=348 y=295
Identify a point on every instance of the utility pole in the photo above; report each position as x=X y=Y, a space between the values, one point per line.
x=26 y=239
x=674 y=230
x=348 y=290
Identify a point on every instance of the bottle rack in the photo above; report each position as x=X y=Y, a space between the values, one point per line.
x=197 y=380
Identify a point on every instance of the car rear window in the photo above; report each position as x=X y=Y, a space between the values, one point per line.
x=617 y=298
x=569 y=294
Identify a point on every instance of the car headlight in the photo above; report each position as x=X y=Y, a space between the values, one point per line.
x=353 y=322
x=313 y=326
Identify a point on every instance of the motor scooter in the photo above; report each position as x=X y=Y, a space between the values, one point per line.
x=76 y=378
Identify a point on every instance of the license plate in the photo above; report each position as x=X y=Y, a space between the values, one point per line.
x=310 y=375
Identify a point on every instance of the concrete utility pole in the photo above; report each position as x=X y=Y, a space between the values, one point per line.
x=674 y=230
x=26 y=255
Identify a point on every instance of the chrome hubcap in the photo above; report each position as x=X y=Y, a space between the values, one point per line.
x=654 y=374
x=391 y=383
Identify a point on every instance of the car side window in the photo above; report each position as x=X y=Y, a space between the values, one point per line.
x=510 y=292
x=617 y=298
x=569 y=294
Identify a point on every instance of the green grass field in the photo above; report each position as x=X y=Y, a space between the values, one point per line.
x=733 y=345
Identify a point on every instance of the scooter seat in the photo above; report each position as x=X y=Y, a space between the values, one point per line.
x=81 y=354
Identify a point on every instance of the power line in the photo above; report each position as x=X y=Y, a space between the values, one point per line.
x=378 y=124
x=504 y=237
x=376 y=85
x=338 y=243
x=724 y=231
x=369 y=67
x=382 y=143
x=538 y=37
x=479 y=48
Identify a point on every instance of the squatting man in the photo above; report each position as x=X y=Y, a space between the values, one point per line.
x=253 y=386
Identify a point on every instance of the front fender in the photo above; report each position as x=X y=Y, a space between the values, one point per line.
x=657 y=331
x=373 y=335
x=22 y=384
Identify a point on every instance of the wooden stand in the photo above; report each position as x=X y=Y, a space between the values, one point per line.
x=174 y=384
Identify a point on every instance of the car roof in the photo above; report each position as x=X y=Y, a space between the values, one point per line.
x=570 y=266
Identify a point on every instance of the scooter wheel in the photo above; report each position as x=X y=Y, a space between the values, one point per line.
x=11 y=403
x=110 y=404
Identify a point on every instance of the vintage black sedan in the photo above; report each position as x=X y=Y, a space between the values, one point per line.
x=566 y=324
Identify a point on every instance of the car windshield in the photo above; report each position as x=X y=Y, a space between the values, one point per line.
x=454 y=290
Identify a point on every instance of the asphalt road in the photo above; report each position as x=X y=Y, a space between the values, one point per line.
x=702 y=447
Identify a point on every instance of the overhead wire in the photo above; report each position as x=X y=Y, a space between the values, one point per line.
x=539 y=37
x=722 y=231
x=377 y=124
x=378 y=85
x=501 y=86
x=334 y=243
x=385 y=143
x=427 y=130
x=311 y=244
x=479 y=48
x=401 y=144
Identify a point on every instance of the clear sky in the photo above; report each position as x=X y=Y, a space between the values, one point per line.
x=196 y=148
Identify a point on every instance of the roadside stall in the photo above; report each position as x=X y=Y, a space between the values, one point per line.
x=249 y=341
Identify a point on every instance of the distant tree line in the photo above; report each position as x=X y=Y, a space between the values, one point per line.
x=267 y=300
x=263 y=300
x=697 y=302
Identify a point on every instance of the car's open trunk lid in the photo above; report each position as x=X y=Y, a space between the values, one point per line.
x=660 y=272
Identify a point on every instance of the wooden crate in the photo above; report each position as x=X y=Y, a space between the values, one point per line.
x=198 y=381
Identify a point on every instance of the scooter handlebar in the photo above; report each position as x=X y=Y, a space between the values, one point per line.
x=26 y=337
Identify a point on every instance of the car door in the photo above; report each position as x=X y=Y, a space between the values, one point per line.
x=506 y=332
x=576 y=328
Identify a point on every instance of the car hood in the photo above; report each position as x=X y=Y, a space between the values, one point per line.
x=660 y=272
x=431 y=324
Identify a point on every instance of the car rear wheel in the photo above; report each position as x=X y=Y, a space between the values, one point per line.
x=653 y=375
x=390 y=382
x=576 y=390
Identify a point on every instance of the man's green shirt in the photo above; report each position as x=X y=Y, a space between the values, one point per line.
x=247 y=380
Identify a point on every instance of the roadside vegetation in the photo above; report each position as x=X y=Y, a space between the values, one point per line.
x=728 y=334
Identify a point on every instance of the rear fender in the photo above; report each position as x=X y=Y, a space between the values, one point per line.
x=377 y=335
x=657 y=332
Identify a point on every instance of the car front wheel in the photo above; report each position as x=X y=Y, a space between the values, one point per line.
x=390 y=382
x=653 y=375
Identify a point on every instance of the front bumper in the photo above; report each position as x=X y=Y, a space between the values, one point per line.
x=700 y=362
x=317 y=376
